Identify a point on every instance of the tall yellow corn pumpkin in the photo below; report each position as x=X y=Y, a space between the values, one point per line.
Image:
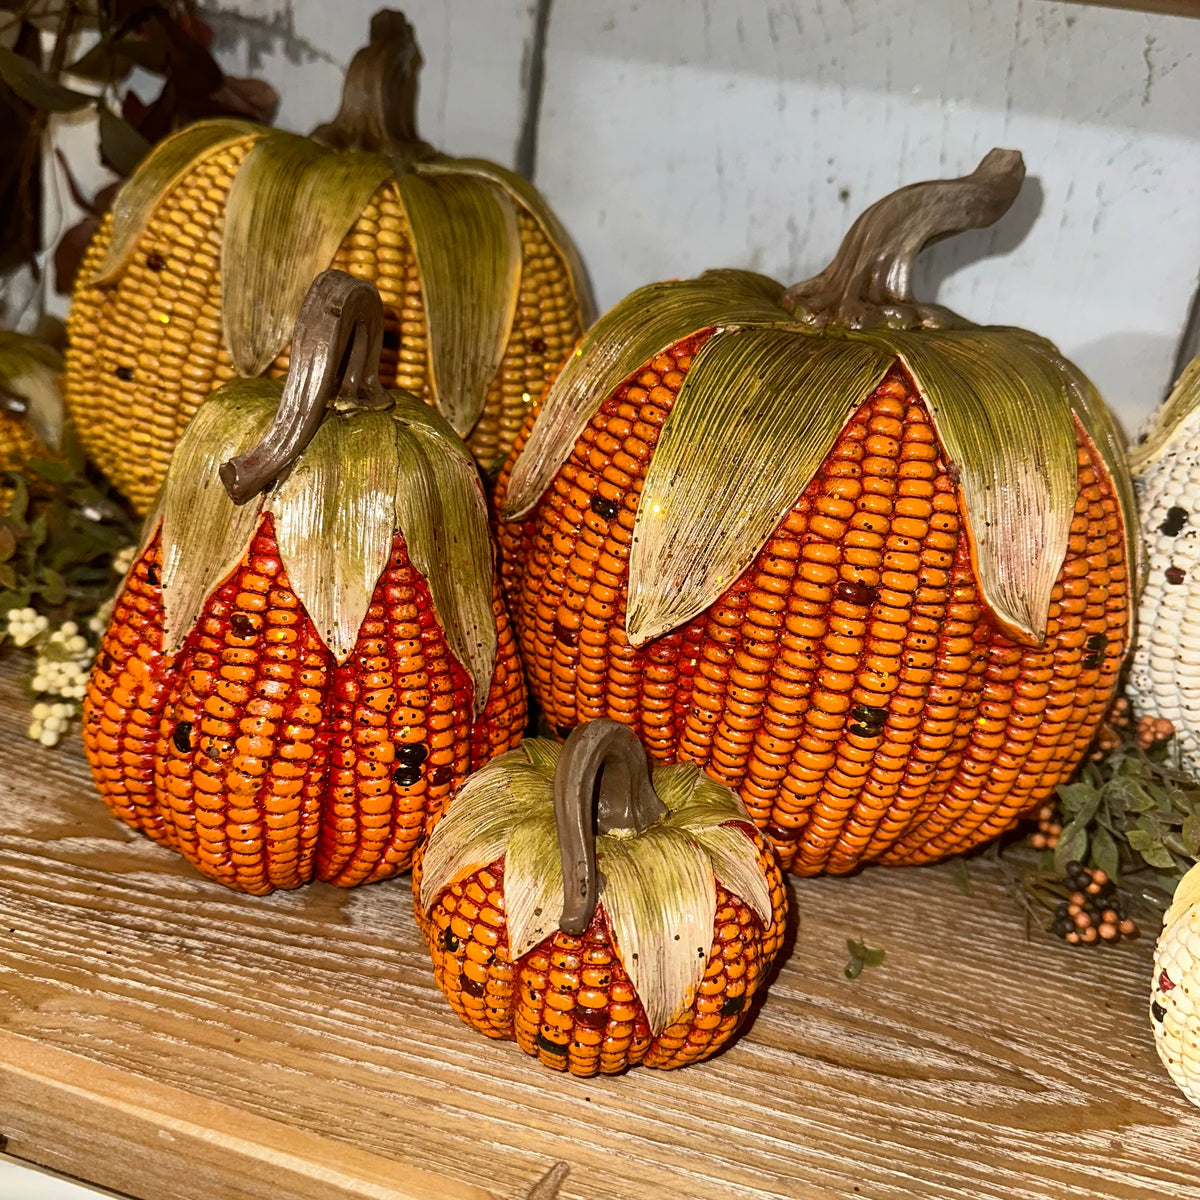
x=865 y=562
x=298 y=673
x=198 y=274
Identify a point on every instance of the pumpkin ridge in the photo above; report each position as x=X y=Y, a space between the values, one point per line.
x=126 y=692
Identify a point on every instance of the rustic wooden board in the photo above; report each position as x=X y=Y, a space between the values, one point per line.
x=164 y=1037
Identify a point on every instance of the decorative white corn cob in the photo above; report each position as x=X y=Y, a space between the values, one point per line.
x=1164 y=680
x=1175 y=996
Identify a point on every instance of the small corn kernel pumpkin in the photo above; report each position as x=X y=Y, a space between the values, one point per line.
x=199 y=273
x=1175 y=992
x=863 y=561
x=656 y=966
x=31 y=408
x=1164 y=676
x=294 y=680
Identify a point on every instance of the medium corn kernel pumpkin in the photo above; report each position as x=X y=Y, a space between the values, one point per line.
x=290 y=687
x=660 y=967
x=1164 y=675
x=198 y=275
x=862 y=561
x=31 y=408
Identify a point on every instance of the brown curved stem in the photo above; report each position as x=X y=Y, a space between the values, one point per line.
x=602 y=783
x=334 y=360
x=869 y=282
x=379 y=98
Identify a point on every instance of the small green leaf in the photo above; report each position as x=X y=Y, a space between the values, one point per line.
x=35 y=87
x=1191 y=834
x=1105 y=854
x=121 y=146
x=1073 y=796
x=1072 y=845
x=861 y=955
x=1147 y=825
x=54 y=472
x=8 y=542
x=1140 y=840
x=1159 y=856
x=53 y=587
x=8 y=579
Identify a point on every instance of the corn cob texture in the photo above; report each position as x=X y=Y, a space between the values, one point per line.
x=1175 y=992
x=851 y=684
x=1164 y=677
x=265 y=763
x=573 y=1002
x=31 y=409
x=145 y=348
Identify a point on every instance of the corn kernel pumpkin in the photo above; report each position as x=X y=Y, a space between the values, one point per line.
x=863 y=561
x=1164 y=675
x=199 y=273
x=31 y=408
x=291 y=686
x=656 y=968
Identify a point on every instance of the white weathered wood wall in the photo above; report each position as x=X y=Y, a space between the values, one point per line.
x=675 y=135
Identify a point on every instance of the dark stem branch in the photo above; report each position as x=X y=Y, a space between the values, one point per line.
x=602 y=784
x=334 y=358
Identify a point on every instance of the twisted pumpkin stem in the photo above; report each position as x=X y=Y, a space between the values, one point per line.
x=602 y=784
x=334 y=362
x=378 y=113
x=869 y=282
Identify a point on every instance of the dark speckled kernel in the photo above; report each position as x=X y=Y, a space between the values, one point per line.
x=155 y=261
x=568 y=637
x=450 y=940
x=1174 y=521
x=856 y=593
x=604 y=508
x=544 y=1043
x=733 y=1005
x=412 y=754
x=591 y=1018
x=1157 y=1011
x=1165 y=982
x=1176 y=574
x=124 y=374
x=182 y=737
x=405 y=776
x=152 y=575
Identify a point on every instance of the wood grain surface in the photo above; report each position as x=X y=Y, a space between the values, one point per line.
x=172 y=1040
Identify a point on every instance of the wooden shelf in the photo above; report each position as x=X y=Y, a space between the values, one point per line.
x=172 y=1040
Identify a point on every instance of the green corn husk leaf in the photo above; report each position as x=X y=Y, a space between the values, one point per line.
x=622 y=341
x=204 y=534
x=468 y=248
x=1171 y=419
x=169 y=161
x=661 y=900
x=291 y=204
x=37 y=88
x=1110 y=443
x=529 y=198
x=533 y=884
x=335 y=515
x=29 y=369
x=737 y=870
x=448 y=540
x=542 y=754
x=475 y=831
x=1003 y=416
x=757 y=414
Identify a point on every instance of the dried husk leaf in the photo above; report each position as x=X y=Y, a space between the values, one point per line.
x=475 y=830
x=204 y=534
x=533 y=884
x=291 y=204
x=660 y=900
x=30 y=369
x=445 y=528
x=1106 y=436
x=629 y=335
x=468 y=248
x=758 y=412
x=1170 y=421
x=1003 y=416
x=167 y=164
x=530 y=199
x=335 y=516
x=735 y=864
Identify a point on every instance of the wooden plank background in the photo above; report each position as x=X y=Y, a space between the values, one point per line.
x=170 y=1039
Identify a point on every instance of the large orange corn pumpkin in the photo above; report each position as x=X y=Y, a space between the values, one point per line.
x=656 y=967
x=198 y=274
x=291 y=687
x=864 y=562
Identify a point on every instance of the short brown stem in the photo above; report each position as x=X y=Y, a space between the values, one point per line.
x=334 y=359
x=869 y=282
x=602 y=784
x=379 y=98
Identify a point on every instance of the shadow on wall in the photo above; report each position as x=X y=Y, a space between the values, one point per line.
x=944 y=259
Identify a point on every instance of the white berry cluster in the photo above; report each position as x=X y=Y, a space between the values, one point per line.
x=50 y=721
x=64 y=659
x=24 y=624
x=123 y=560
